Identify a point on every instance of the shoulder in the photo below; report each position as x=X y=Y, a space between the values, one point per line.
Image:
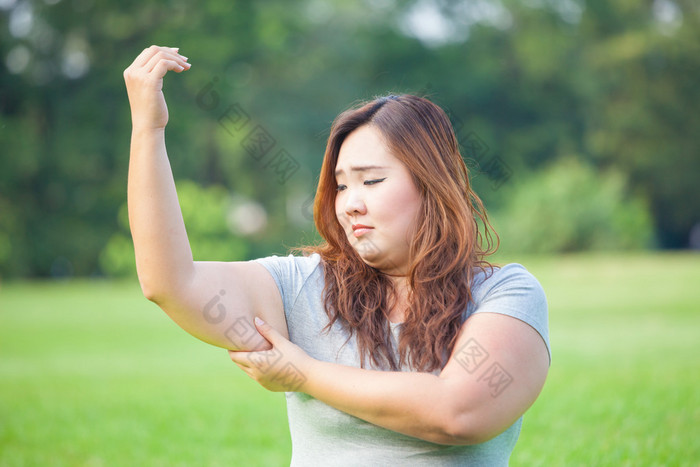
x=291 y=263
x=513 y=279
x=291 y=272
x=511 y=290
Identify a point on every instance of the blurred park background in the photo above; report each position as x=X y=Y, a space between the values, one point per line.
x=578 y=119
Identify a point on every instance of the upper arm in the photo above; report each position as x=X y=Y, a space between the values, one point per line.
x=496 y=371
x=219 y=301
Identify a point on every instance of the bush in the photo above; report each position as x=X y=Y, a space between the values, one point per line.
x=570 y=207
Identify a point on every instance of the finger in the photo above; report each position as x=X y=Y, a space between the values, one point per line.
x=166 y=54
x=239 y=358
x=168 y=65
x=158 y=59
x=267 y=331
x=149 y=52
x=245 y=369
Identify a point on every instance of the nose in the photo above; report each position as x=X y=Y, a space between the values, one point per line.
x=354 y=204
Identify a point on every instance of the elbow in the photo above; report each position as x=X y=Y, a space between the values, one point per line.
x=462 y=430
x=149 y=287
x=159 y=286
x=150 y=292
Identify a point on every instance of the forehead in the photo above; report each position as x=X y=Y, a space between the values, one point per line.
x=364 y=147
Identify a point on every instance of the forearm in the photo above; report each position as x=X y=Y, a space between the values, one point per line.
x=415 y=404
x=494 y=375
x=212 y=301
x=163 y=255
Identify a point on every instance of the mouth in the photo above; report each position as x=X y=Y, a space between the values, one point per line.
x=359 y=229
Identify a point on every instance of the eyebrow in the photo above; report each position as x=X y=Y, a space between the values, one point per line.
x=360 y=168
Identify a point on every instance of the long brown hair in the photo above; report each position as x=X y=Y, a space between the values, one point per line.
x=447 y=249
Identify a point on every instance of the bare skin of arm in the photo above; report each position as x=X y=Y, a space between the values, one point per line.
x=213 y=301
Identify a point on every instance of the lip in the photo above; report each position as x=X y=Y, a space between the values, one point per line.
x=360 y=229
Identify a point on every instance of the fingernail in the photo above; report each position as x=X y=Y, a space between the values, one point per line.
x=258 y=321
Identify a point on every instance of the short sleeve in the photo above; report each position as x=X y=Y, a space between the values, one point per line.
x=290 y=273
x=512 y=290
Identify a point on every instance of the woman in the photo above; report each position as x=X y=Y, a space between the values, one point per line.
x=395 y=340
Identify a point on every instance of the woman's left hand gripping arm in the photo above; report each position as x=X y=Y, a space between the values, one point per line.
x=283 y=368
x=496 y=371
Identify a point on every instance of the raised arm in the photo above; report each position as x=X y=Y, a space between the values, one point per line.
x=213 y=301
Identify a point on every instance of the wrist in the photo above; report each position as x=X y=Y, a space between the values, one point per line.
x=147 y=130
x=307 y=370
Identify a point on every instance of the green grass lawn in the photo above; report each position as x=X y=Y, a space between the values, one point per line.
x=93 y=374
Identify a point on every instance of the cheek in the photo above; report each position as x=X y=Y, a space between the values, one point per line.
x=406 y=200
x=402 y=210
x=340 y=215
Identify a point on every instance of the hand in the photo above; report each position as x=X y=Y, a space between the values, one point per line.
x=144 y=85
x=285 y=367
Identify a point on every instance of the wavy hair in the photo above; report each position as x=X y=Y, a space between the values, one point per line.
x=444 y=255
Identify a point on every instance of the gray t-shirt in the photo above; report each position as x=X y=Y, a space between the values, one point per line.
x=323 y=435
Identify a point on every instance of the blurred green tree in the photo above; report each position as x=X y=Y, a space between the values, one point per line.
x=570 y=207
x=531 y=80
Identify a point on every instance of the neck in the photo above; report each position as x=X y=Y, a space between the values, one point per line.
x=398 y=312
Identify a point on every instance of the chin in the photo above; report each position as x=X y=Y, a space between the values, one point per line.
x=367 y=250
x=369 y=260
x=378 y=262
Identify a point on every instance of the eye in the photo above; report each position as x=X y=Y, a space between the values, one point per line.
x=372 y=182
x=340 y=187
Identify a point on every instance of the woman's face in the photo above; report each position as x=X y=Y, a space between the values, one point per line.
x=377 y=203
